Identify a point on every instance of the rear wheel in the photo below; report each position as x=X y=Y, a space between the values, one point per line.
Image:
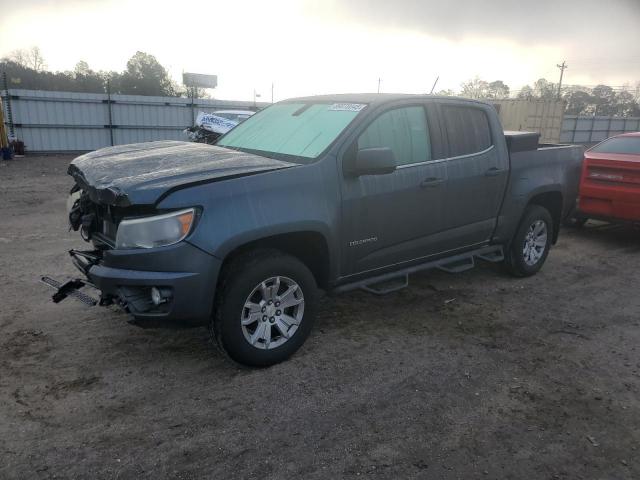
x=264 y=309
x=530 y=245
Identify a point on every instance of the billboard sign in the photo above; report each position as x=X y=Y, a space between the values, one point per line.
x=199 y=80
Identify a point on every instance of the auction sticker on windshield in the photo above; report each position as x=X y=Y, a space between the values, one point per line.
x=347 y=107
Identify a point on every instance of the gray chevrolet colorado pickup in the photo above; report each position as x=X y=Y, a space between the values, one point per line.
x=320 y=193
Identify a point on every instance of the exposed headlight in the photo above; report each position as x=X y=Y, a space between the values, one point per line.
x=156 y=231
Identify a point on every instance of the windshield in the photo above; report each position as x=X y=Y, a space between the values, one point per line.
x=619 y=145
x=292 y=130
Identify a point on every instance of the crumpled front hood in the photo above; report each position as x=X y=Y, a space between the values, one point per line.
x=141 y=173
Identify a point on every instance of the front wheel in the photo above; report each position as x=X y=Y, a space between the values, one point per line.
x=531 y=243
x=264 y=309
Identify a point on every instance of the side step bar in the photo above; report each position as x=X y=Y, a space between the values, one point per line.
x=458 y=266
x=389 y=286
x=494 y=256
x=394 y=281
x=69 y=289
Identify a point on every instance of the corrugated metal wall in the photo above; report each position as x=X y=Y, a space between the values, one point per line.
x=544 y=117
x=590 y=130
x=66 y=121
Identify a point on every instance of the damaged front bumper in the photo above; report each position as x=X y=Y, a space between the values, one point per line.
x=183 y=276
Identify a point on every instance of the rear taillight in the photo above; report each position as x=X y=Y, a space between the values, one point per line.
x=607 y=177
x=613 y=174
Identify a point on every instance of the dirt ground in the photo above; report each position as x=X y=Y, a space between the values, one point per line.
x=477 y=375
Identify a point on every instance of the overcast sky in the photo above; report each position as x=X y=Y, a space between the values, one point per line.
x=313 y=47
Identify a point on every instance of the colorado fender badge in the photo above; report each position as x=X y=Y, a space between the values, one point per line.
x=355 y=243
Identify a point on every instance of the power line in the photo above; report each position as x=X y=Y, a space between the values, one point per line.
x=619 y=87
x=606 y=61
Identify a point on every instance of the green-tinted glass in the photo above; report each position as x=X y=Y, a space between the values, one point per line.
x=298 y=129
x=404 y=131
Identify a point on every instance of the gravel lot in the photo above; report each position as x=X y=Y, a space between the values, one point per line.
x=476 y=375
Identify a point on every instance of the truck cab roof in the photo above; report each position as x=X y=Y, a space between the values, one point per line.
x=378 y=98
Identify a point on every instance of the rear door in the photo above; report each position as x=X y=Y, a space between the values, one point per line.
x=477 y=173
x=391 y=219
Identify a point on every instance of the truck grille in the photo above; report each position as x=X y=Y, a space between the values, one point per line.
x=109 y=229
x=104 y=226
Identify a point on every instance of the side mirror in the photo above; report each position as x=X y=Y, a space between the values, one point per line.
x=373 y=161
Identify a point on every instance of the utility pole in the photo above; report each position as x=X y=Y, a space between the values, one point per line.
x=561 y=67
x=271 y=92
x=379 y=84
x=7 y=97
x=110 y=111
x=193 y=106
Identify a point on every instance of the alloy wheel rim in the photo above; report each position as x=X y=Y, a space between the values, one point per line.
x=535 y=242
x=272 y=312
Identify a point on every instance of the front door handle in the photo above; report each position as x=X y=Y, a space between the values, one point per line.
x=493 y=171
x=431 y=182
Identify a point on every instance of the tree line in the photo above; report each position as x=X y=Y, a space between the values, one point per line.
x=580 y=100
x=144 y=75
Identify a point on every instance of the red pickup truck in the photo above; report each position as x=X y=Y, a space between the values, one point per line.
x=610 y=181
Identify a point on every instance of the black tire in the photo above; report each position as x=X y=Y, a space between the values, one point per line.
x=515 y=260
x=239 y=278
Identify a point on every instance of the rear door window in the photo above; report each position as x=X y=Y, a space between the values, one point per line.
x=404 y=130
x=467 y=129
x=628 y=145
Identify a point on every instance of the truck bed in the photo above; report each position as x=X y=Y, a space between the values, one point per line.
x=536 y=169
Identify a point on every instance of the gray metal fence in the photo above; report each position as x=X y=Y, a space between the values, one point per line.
x=66 y=121
x=590 y=130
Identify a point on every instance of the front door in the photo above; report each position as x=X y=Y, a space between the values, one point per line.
x=392 y=219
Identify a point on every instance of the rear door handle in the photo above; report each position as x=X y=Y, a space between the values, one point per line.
x=493 y=171
x=431 y=182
